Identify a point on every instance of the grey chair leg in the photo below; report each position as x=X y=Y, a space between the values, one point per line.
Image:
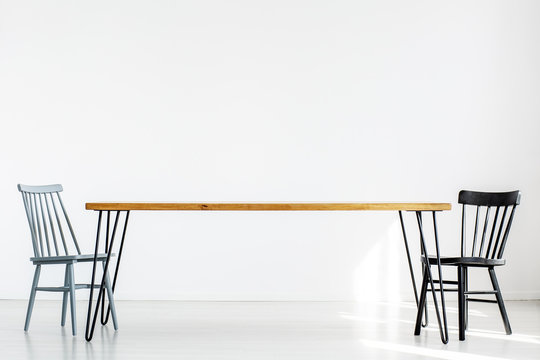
x=37 y=272
x=65 y=297
x=72 y=299
x=500 y=301
x=111 y=299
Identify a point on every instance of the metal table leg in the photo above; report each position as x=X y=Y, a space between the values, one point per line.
x=411 y=271
x=109 y=243
x=443 y=324
x=427 y=277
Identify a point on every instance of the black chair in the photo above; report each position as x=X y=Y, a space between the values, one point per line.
x=486 y=243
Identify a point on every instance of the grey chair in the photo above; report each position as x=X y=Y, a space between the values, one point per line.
x=54 y=242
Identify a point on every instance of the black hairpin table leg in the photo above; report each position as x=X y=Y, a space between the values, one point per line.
x=109 y=243
x=428 y=275
x=411 y=271
x=105 y=317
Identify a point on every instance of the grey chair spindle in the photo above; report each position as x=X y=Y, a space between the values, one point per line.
x=52 y=237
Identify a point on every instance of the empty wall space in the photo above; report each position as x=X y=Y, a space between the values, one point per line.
x=268 y=101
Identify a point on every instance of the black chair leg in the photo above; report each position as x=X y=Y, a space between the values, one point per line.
x=421 y=304
x=500 y=301
x=466 y=273
x=461 y=302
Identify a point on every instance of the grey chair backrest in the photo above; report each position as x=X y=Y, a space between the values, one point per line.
x=47 y=218
x=491 y=228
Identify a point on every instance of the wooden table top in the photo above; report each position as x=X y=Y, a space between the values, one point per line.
x=266 y=206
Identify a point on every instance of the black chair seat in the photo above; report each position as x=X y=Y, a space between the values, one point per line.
x=467 y=261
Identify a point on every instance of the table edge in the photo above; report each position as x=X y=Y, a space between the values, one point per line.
x=264 y=206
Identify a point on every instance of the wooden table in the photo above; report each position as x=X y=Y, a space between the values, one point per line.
x=124 y=208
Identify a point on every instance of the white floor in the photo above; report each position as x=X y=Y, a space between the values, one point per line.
x=267 y=330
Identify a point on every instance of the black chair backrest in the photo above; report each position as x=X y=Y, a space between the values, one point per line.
x=491 y=228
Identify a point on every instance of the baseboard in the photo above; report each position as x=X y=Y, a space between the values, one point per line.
x=507 y=295
x=521 y=295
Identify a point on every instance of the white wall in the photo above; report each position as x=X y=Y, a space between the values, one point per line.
x=271 y=101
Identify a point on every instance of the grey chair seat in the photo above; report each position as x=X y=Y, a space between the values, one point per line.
x=466 y=261
x=63 y=259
